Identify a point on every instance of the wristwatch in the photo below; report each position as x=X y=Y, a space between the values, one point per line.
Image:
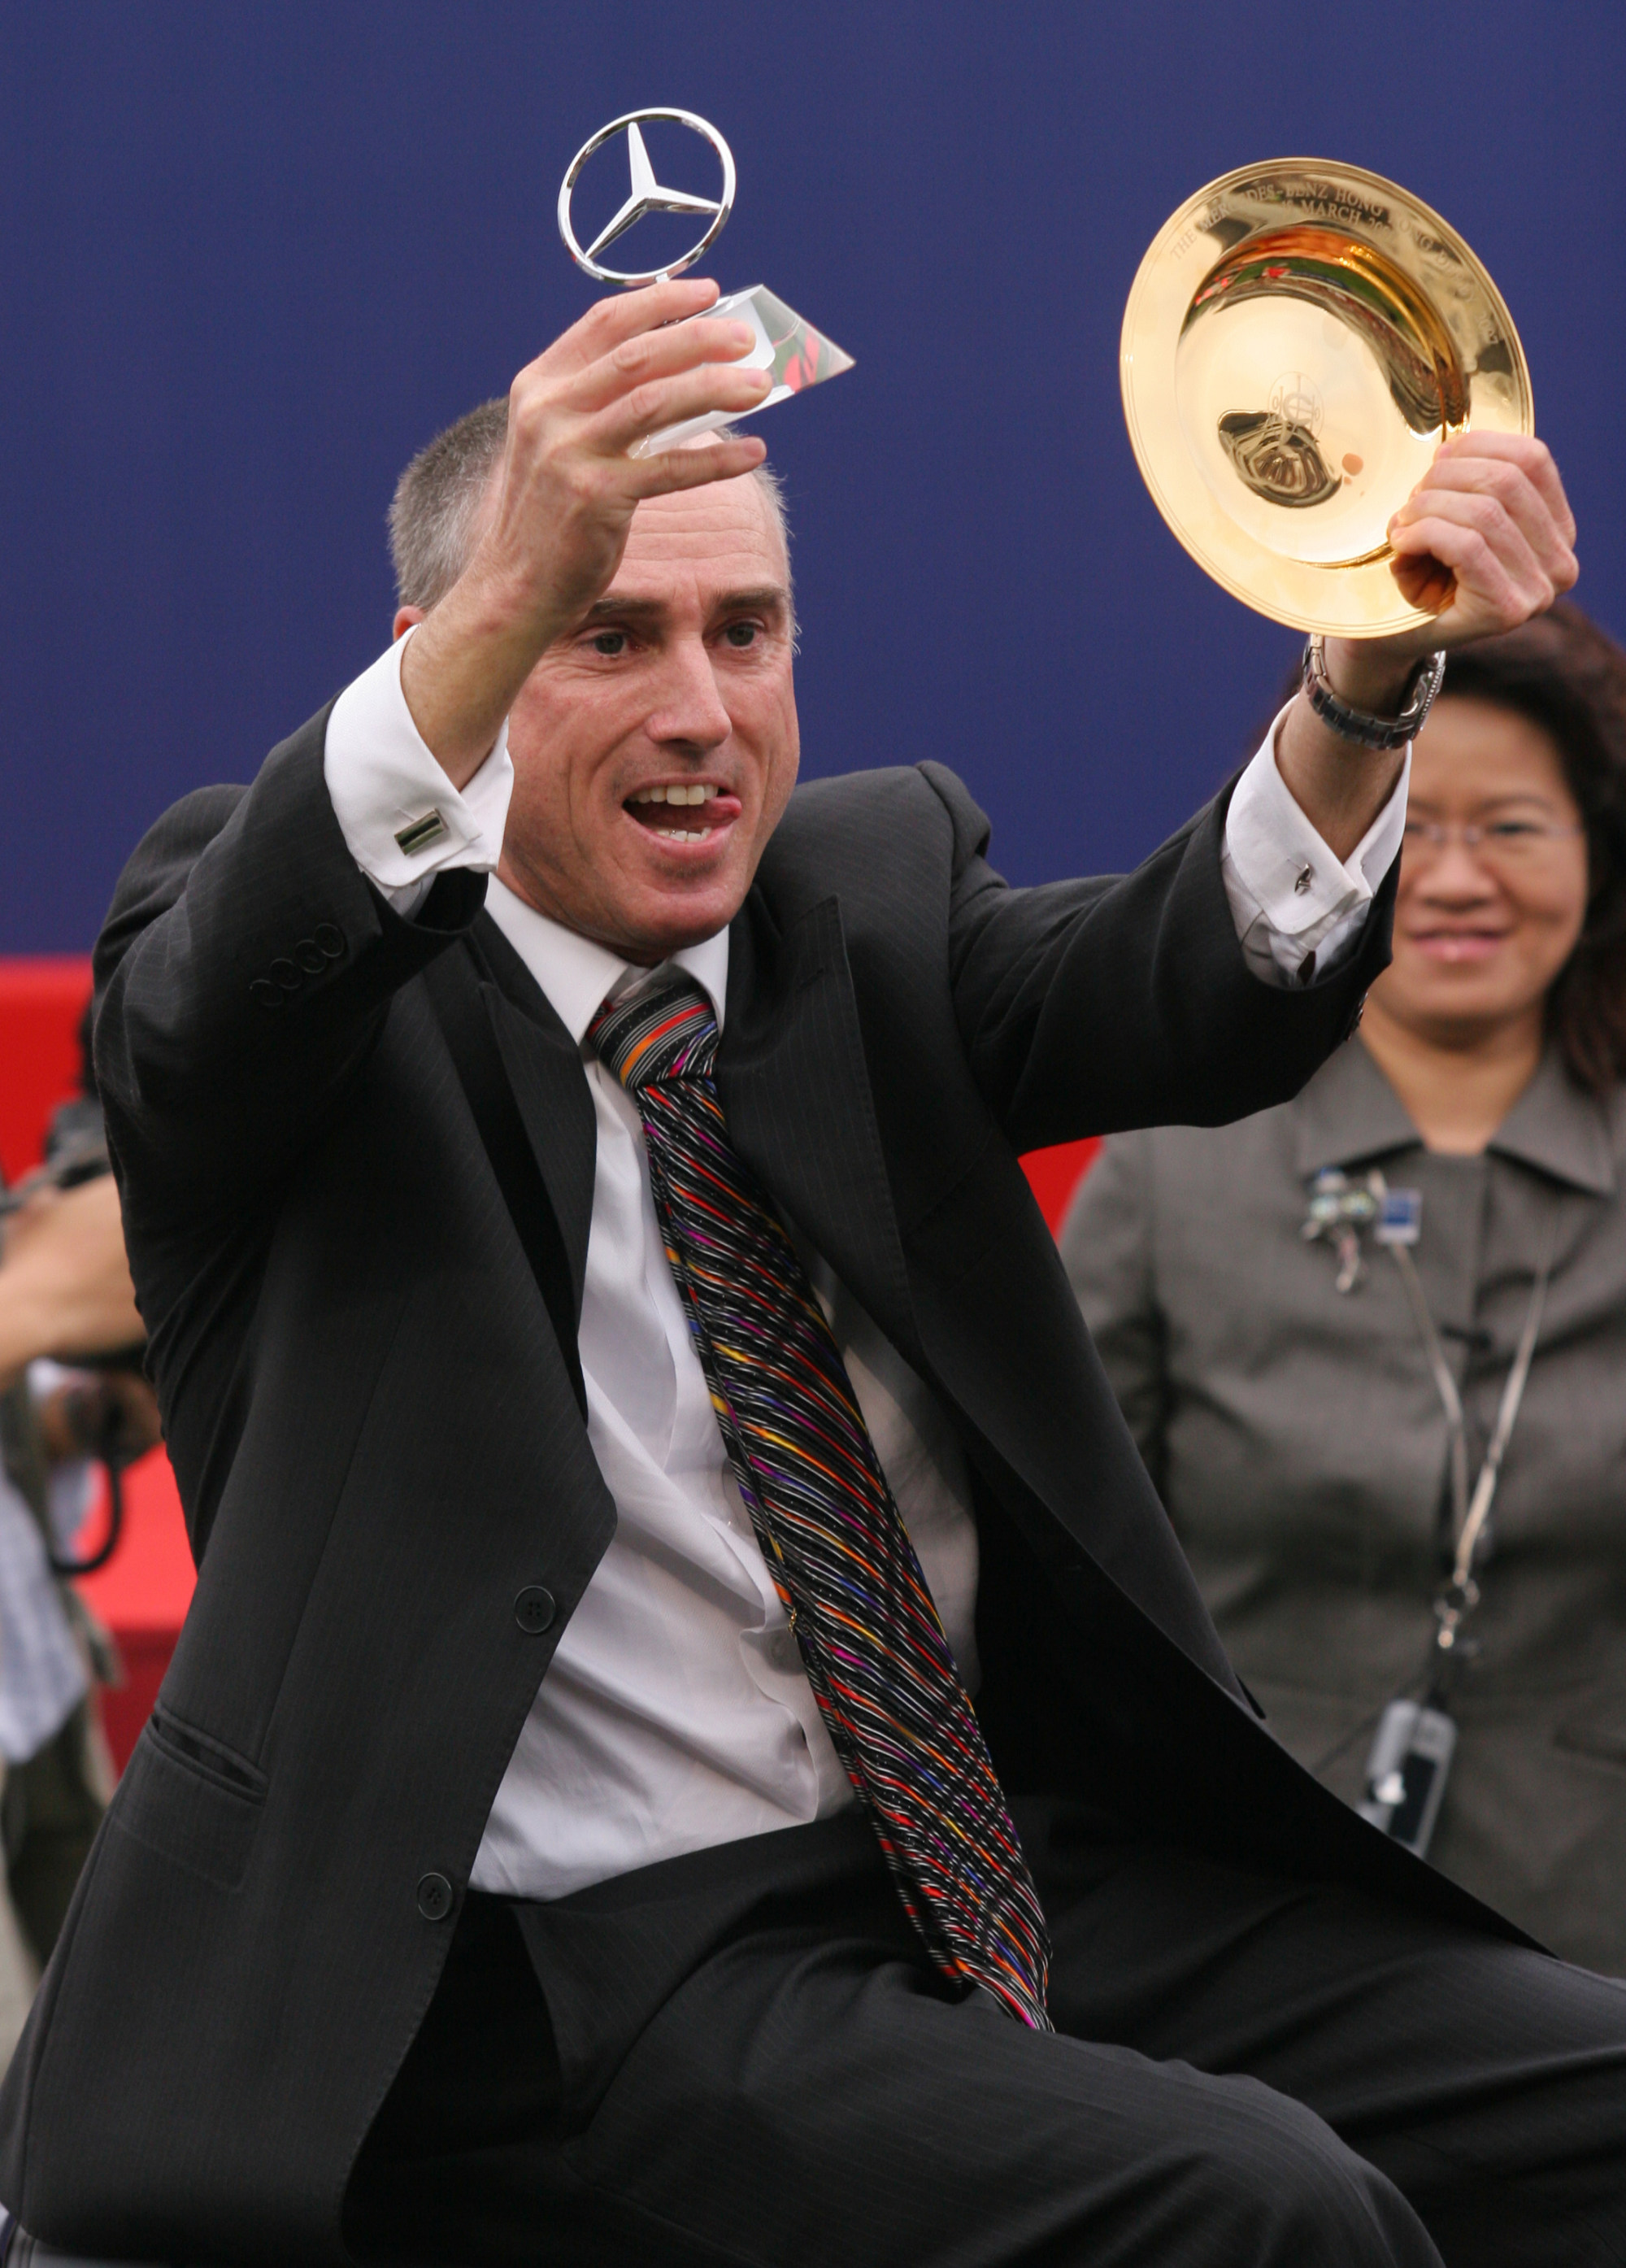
x=1358 y=723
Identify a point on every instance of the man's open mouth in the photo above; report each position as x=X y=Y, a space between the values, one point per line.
x=682 y=811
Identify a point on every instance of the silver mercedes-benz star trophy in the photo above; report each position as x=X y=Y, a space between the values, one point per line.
x=786 y=343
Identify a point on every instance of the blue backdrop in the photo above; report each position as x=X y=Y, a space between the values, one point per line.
x=254 y=255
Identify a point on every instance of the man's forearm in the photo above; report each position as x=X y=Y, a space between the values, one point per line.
x=461 y=671
x=1340 y=786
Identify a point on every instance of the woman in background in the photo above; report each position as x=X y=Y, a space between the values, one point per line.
x=1311 y=1318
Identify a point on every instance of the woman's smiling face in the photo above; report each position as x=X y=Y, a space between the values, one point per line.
x=1483 y=925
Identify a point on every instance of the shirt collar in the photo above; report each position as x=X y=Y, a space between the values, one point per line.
x=578 y=977
x=1350 y=1112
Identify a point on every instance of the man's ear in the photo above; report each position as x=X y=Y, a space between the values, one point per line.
x=405 y=618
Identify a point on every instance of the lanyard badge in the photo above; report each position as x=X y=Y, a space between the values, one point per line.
x=1411 y=1756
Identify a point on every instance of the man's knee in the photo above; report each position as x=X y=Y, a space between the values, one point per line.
x=1256 y=2177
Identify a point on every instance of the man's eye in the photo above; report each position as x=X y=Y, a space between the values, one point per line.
x=610 y=642
x=1510 y=830
x=743 y=634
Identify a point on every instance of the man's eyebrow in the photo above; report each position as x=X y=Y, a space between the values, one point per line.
x=764 y=598
x=625 y=609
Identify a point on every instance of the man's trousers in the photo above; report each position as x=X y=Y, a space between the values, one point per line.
x=744 y=2057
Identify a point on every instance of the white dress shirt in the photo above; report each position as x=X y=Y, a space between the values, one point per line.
x=676 y=1714
x=1298 y=909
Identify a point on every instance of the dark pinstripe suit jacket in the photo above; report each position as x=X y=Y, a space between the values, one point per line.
x=379 y=1442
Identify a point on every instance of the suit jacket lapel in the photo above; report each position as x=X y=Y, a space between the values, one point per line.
x=544 y=1068
x=792 y=1074
x=794 y=1085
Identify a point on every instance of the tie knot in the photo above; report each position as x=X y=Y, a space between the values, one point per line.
x=669 y=1033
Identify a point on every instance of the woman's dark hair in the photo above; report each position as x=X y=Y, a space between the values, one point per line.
x=1564 y=675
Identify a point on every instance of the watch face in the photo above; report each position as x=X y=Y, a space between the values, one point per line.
x=1299 y=339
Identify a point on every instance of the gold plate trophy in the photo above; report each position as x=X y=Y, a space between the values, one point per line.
x=1299 y=339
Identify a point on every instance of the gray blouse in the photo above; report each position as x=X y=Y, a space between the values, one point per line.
x=1296 y=1436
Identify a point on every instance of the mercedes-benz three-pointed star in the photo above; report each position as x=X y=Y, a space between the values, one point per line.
x=647 y=196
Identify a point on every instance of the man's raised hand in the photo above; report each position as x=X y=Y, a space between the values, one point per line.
x=569 y=485
x=1484 y=541
x=564 y=497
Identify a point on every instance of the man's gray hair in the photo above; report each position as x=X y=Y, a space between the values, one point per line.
x=436 y=506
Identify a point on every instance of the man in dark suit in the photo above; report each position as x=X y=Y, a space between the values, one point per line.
x=613 y=1453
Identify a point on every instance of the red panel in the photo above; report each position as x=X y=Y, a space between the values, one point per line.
x=42 y=1000
x=1054 y=1174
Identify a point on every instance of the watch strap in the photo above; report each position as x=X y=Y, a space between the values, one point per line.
x=1359 y=725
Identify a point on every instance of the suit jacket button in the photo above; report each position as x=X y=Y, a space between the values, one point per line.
x=535 y=1610
x=287 y=976
x=265 y=992
x=434 y=1897
x=330 y=941
x=310 y=956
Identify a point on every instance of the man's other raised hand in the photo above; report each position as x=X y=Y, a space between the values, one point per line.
x=1484 y=543
x=555 y=522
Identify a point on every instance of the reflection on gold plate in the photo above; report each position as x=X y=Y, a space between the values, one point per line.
x=1299 y=339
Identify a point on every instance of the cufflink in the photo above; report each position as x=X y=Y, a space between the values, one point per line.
x=419 y=833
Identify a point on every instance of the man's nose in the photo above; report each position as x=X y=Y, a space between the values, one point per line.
x=688 y=707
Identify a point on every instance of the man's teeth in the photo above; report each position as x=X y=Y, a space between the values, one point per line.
x=684 y=792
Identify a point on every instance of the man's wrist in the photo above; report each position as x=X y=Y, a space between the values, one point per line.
x=1371 y=673
x=461 y=673
x=1339 y=785
x=1371 y=728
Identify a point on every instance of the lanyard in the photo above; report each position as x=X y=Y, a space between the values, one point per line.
x=1458 y=1594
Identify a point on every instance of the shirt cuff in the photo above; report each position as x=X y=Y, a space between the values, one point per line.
x=402 y=819
x=1299 y=910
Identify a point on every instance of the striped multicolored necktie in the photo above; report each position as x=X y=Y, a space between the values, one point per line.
x=871 y=1641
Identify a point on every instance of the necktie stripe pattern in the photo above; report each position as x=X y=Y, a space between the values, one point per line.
x=871 y=1641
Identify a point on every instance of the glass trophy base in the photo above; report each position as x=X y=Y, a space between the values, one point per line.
x=786 y=344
